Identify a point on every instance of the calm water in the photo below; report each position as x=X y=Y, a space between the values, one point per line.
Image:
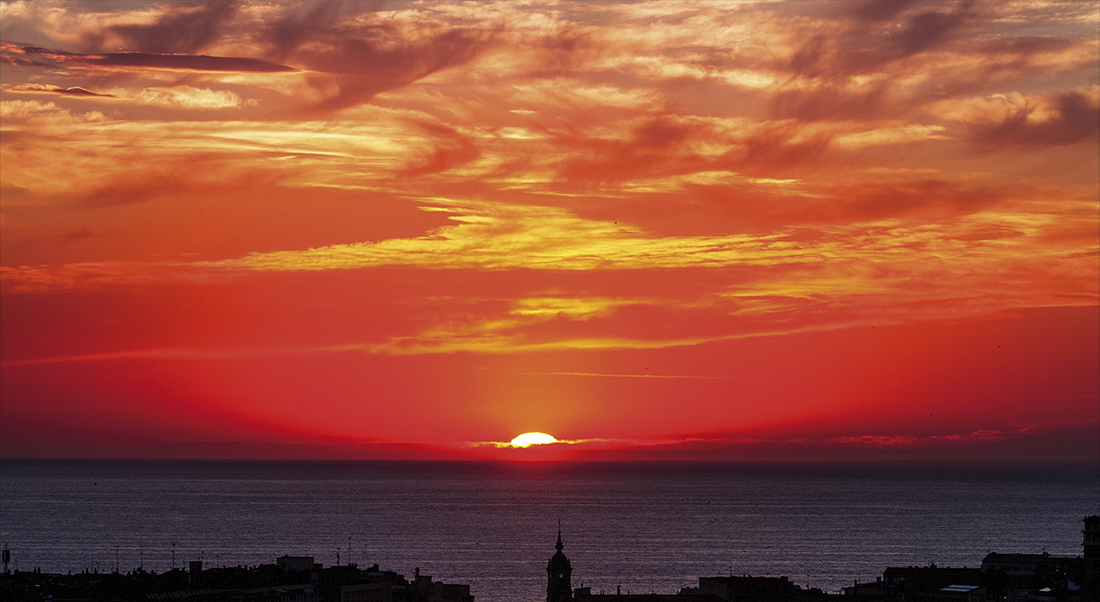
x=646 y=527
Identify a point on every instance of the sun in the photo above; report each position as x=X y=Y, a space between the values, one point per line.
x=529 y=439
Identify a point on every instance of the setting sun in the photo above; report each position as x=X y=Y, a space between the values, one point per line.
x=529 y=439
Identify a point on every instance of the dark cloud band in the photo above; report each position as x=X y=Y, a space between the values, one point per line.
x=28 y=55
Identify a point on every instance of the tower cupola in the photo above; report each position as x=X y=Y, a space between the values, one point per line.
x=558 y=576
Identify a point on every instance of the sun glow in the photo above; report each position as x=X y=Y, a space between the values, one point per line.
x=529 y=439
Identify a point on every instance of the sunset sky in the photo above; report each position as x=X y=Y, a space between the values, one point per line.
x=663 y=230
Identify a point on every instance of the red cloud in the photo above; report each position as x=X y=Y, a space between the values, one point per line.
x=179 y=30
x=1076 y=119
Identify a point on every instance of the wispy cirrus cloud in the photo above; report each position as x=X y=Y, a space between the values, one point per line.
x=910 y=440
x=1072 y=118
x=828 y=281
x=180 y=97
x=187 y=97
x=70 y=91
x=668 y=376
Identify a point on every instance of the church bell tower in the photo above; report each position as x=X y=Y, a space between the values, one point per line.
x=558 y=573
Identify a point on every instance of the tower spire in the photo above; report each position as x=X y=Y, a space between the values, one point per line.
x=558 y=574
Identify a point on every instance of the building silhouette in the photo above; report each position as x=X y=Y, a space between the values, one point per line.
x=1091 y=546
x=559 y=576
x=293 y=564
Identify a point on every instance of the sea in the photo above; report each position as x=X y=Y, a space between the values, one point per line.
x=630 y=527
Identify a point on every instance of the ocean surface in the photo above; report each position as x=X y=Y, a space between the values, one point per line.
x=644 y=527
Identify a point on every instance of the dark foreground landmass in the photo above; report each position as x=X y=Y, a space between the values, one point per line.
x=1001 y=578
x=264 y=583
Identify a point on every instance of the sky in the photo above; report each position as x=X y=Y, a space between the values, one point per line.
x=653 y=230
